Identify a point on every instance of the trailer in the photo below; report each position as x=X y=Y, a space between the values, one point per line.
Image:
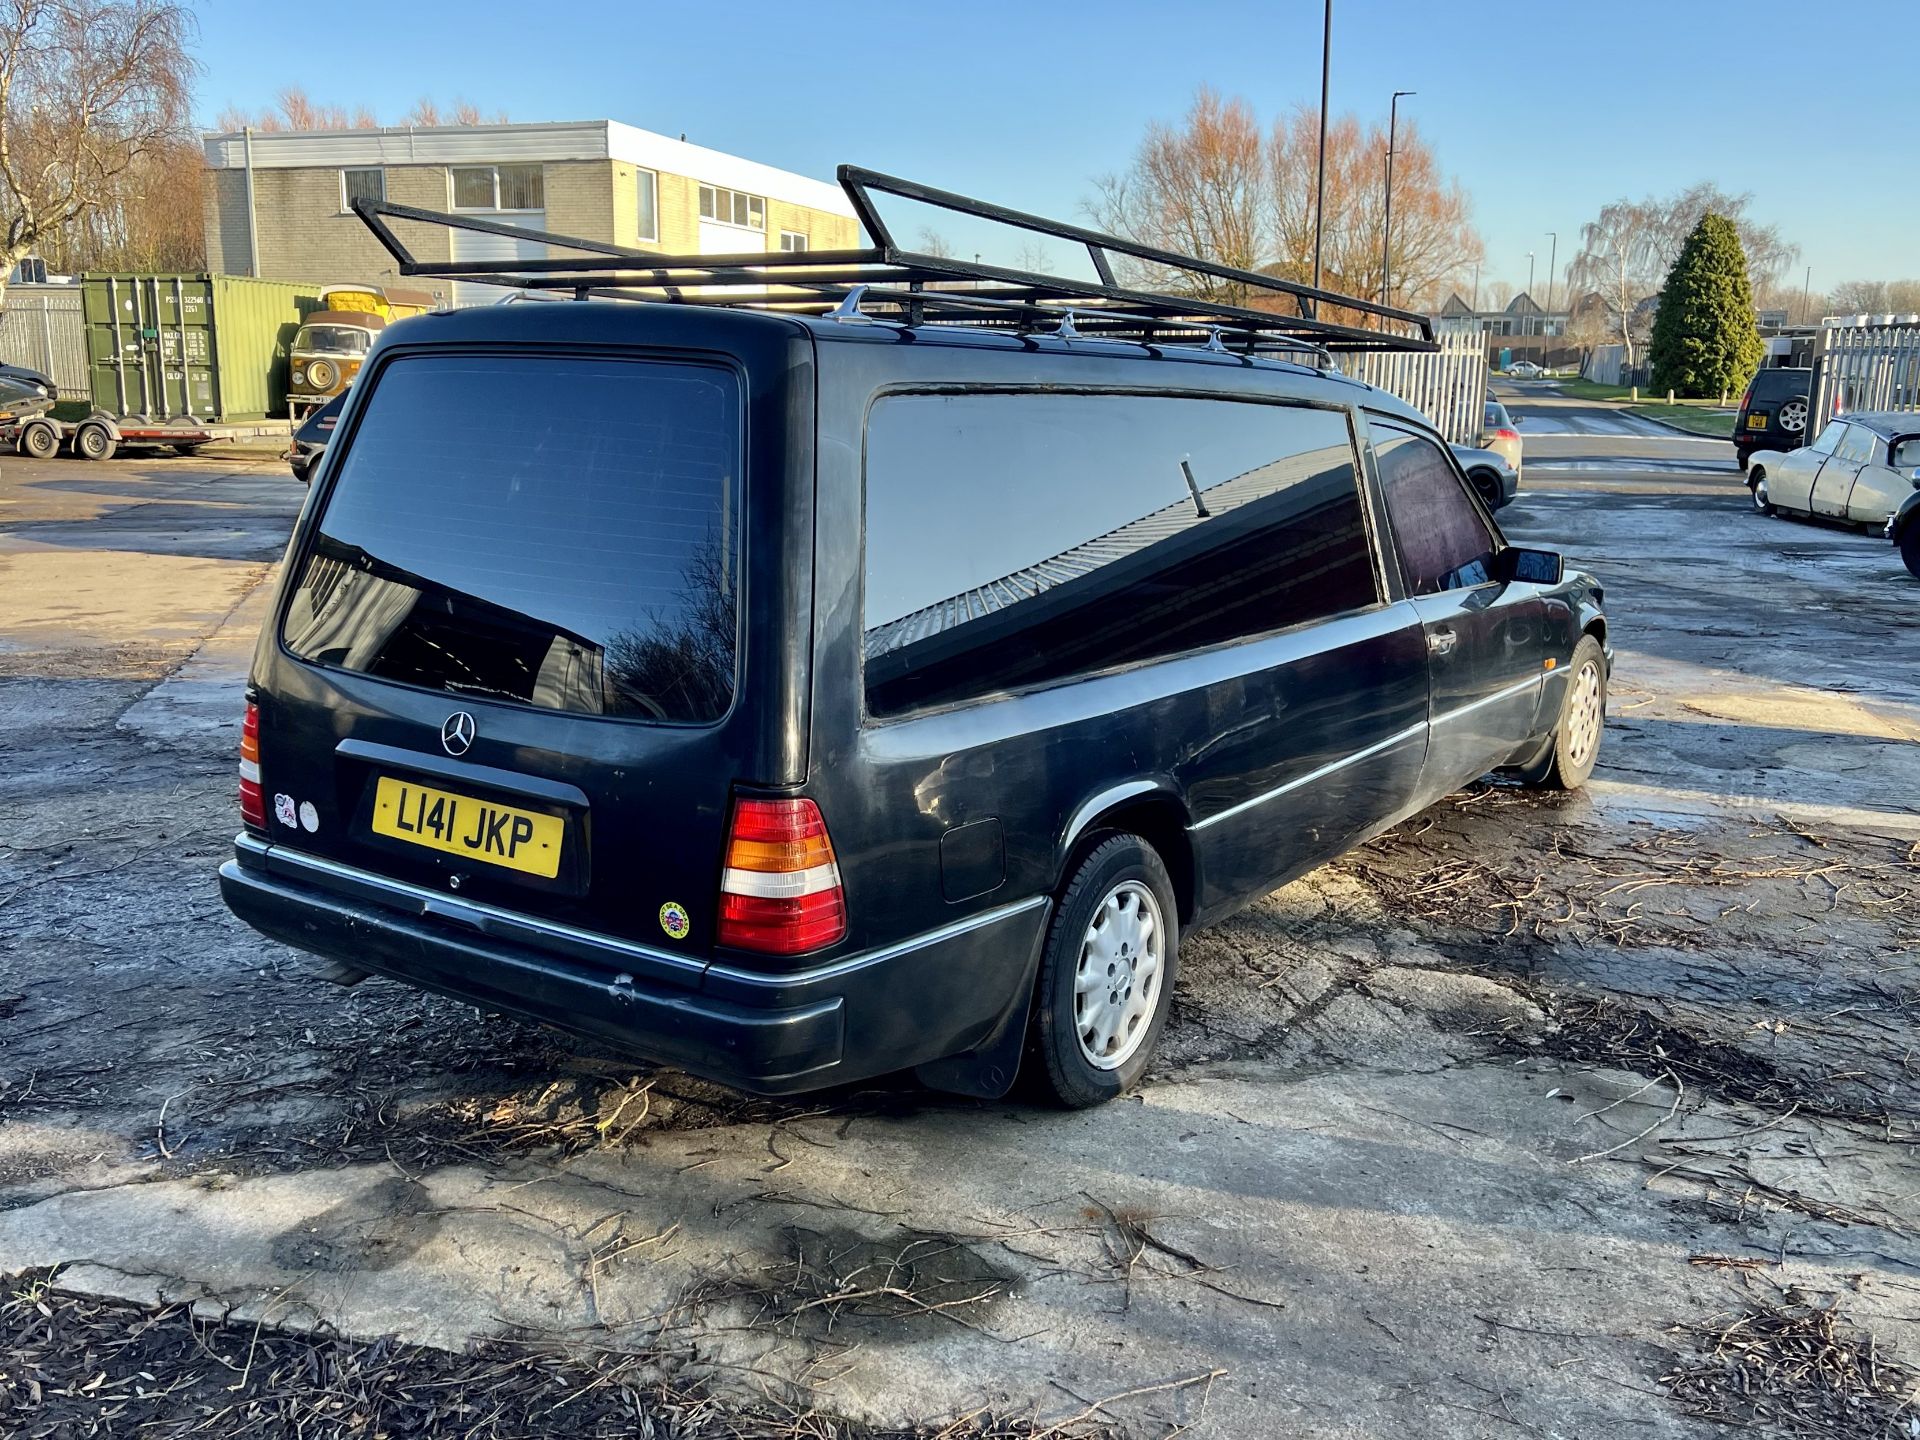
x=100 y=436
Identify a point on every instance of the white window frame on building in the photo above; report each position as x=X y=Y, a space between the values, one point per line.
x=646 y=208
x=793 y=241
x=534 y=167
x=346 y=195
x=722 y=206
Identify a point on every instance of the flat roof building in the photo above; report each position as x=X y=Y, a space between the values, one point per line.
x=278 y=204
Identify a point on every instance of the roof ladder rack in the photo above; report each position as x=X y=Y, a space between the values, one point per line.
x=1214 y=307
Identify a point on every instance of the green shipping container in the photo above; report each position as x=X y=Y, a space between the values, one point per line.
x=211 y=346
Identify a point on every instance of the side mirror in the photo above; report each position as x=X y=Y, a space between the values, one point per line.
x=1906 y=455
x=1530 y=567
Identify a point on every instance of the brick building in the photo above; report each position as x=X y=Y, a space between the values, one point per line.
x=277 y=204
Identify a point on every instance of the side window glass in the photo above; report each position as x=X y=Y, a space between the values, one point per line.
x=1831 y=436
x=1858 y=446
x=1443 y=542
x=1020 y=539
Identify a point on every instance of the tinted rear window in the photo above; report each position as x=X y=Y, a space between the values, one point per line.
x=556 y=531
x=1019 y=539
x=1779 y=384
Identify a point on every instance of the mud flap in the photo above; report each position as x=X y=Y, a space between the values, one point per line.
x=987 y=1071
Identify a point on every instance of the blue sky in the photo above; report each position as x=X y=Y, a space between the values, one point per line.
x=1543 y=110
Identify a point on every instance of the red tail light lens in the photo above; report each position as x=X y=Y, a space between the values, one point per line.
x=253 y=802
x=780 y=893
x=1505 y=434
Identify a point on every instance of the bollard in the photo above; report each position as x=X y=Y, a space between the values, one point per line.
x=1635 y=395
x=1669 y=397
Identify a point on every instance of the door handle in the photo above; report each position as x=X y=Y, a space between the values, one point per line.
x=1441 y=642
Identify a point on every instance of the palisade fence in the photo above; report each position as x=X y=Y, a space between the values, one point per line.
x=41 y=328
x=1448 y=385
x=1866 y=364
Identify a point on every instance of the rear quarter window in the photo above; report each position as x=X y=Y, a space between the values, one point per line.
x=1018 y=539
x=549 y=530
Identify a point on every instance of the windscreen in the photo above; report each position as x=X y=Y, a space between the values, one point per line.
x=556 y=531
x=333 y=340
x=1779 y=384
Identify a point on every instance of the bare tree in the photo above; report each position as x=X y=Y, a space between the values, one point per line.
x=425 y=114
x=1215 y=186
x=1619 y=260
x=89 y=91
x=1875 y=297
x=1497 y=293
x=933 y=243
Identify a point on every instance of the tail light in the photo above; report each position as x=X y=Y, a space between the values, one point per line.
x=780 y=893
x=1746 y=400
x=253 y=802
x=1505 y=434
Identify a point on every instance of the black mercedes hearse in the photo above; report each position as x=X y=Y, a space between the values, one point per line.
x=872 y=662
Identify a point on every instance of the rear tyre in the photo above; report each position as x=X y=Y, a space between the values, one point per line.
x=1106 y=976
x=1488 y=485
x=94 y=442
x=1910 y=548
x=1757 y=483
x=1582 y=718
x=39 y=441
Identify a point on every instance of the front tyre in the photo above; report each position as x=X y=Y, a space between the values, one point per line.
x=1106 y=977
x=1757 y=483
x=1582 y=718
x=1910 y=548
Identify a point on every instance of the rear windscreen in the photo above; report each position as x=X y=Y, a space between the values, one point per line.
x=551 y=530
x=1779 y=384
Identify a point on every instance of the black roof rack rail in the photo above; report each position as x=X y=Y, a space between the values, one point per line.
x=884 y=282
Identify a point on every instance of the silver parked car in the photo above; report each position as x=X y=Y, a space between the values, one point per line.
x=1859 y=470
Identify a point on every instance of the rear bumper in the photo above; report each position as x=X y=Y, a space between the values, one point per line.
x=940 y=994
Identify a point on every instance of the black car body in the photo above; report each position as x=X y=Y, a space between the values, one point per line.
x=814 y=662
x=1773 y=413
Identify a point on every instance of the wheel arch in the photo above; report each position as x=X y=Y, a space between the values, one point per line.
x=1151 y=809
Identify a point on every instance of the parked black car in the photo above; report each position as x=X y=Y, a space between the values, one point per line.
x=799 y=699
x=1772 y=414
x=310 y=440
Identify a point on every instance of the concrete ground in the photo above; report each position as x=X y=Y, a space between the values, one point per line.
x=1457 y=1136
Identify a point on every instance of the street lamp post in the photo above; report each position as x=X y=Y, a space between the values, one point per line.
x=1530 y=300
x=1806 y=299
x=1476 y=290
x=1320 y=189
x=1386 y=227
x=1553 y=255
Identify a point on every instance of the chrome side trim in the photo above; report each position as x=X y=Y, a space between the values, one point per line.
x=885 y=952
x=1532 y=682
x=506 y=924
x=1312 y=775
x=488 y=919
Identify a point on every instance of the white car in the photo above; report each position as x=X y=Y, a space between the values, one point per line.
x=1525 y=370
x=1859 y=470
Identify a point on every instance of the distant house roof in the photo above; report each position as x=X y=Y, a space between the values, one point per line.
x=1523 y=304
x=1456 y=306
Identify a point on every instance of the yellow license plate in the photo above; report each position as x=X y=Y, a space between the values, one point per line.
x=1756 y=422
x=461 y=825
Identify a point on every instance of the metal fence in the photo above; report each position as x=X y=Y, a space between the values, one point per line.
x=41 y=328
x=1866 y=364
x=1448 y=385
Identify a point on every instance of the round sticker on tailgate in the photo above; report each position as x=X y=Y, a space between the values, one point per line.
x=674 y=919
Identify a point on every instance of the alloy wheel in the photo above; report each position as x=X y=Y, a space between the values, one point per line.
x=1116 y=985
x=1584 y=715
x=1793 y=416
